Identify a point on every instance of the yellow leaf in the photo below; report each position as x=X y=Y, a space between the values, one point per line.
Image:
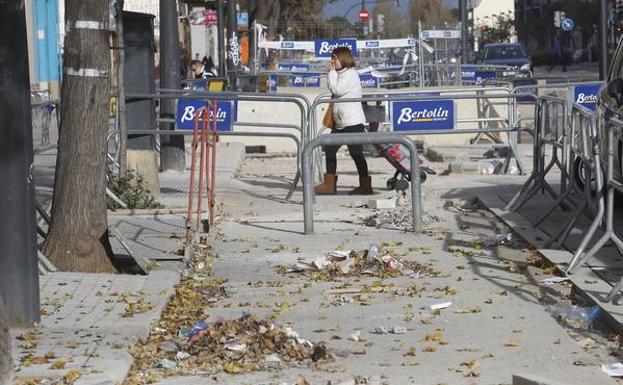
x=465 y=310
x=71 y=376
x=512 y=343
x=58 y=364
x=411 y=352
x=232 y=368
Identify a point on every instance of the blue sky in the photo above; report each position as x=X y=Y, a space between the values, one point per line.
x=340 y=7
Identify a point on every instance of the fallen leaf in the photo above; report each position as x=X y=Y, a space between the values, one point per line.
x=512 y=343
x=466 y=310
x=59 y=364
x=71 y=376
x=232 y=368
x=468 y=368
x=411 y=352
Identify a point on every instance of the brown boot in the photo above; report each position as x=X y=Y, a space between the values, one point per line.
x=365 y=187
x=329 y=186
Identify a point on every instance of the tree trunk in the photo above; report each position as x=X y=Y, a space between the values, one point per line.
x=5 y=347
x=78 y=235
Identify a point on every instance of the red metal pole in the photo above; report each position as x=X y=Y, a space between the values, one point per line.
x=204 y=129
x=191 y=188
x=213 y=169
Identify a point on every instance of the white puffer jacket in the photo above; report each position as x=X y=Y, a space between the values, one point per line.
x=345 y=84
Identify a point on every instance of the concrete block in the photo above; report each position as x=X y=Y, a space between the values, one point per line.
x=530 y=379
x=381 y=203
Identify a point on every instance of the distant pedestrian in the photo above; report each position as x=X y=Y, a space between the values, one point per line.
x=209 y=63
x=558 y=55
x=344 y=82
x=200 y=71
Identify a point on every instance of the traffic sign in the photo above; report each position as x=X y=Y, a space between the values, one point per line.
x=364 y=14
x=567 y=24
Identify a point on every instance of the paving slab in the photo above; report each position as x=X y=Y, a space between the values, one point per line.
x=85 y=320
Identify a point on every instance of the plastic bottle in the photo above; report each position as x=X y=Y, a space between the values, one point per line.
x=576 y=316
x=373 y=252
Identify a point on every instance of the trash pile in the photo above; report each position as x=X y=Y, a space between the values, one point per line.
x=241 y=346
x=400 y=217
x=375 y=262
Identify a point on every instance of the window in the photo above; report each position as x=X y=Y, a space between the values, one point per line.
x=504 y=52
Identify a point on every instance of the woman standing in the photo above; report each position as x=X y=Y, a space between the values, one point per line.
x=348 y=117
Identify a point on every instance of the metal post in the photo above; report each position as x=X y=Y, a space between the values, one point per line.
x=463 y=12
x=420 y=53
x=359 y=139
x=233 y=43
x=251 y=6
x=172 y=156
x=221 y=39
x=603 y=39
x=19 y=279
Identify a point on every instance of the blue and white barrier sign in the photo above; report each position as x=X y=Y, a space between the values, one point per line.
x=369 y=81
x=273 y=80
x=324 y=47
x=587 y=95
x=468 y=74
x=225 y=114
x=481 y=76
x=306 y=80
x=424 y=115
x=293 y=67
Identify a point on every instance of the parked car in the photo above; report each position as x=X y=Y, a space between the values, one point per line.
x=610 y=104
x=507 y=54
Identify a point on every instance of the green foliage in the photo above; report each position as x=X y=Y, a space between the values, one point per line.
x=132 y=190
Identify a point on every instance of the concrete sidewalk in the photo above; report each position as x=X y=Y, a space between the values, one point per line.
x=496 y=326
x=88 y=321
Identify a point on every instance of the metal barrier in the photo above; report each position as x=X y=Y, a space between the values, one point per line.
x=42 y=114
x=544 y=136
x=296 y=99
x=605 y=212
x=583 y=153
x=512 y=129
x=359 y=139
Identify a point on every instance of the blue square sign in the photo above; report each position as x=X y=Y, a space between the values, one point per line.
x=587 y=95
x=225 y=113
x=424 y=115
x=324 y=47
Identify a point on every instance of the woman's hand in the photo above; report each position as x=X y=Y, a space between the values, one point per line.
x=330 y=66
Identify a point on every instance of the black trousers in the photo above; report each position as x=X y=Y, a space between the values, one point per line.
x=356 y=152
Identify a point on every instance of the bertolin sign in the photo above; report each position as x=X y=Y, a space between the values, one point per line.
x=324 y=47
x=587 y=95
x=424 y=115
x=186 y=108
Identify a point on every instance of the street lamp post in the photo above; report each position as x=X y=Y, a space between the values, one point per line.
x=603 y=39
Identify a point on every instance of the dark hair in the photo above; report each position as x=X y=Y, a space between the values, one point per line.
x=345 y=57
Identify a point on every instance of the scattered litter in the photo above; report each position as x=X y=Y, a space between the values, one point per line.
x=376 y=261
x=246 y=344
x=273 y=357
x=380 y=330
x=373 y=252
x=613 y=370
x=356 y=336
x=553 y=280
x=381 y=203
x=168 y=364
x=400 y=217
x=575 y=316
x=181 y=356
x=466 y=310
x=576 y=231
x=439 y=306
x=398 y=330
x=235 y=347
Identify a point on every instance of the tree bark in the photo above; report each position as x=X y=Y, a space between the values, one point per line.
x=5 y=347
x=78 y=234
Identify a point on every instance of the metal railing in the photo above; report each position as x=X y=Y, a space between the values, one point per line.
x=359 y=139
x=299 y=100
x=512 y=128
